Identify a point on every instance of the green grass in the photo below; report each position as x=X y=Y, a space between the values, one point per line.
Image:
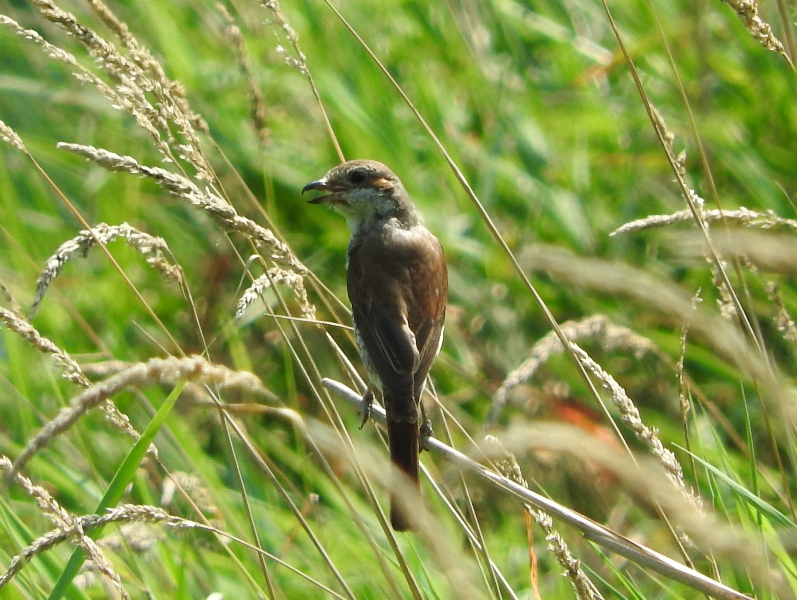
x=536 y=105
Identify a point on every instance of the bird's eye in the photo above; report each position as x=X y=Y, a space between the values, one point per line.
x=357 y=177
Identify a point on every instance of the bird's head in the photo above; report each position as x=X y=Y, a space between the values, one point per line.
x=365 y=192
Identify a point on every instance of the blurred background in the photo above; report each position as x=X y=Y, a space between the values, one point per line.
x=536 y=104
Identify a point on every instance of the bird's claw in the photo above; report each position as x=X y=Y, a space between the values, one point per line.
x=426 y=431
x=368 y=400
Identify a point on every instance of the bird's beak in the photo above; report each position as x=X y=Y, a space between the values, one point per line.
x=318 y=184
x=322 y=185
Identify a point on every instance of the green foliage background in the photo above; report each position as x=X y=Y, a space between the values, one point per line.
x=535 y=103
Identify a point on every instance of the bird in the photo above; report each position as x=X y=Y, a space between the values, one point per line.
x=397 y=283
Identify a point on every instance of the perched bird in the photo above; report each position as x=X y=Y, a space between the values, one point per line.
x=398 y=286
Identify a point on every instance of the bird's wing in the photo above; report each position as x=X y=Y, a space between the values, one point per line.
x=430 y=286
x=389 y=341
x=380 y=317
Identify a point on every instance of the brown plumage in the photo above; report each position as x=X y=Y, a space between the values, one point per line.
x=398 y=286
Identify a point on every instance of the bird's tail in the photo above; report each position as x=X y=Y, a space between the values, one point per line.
x=404 y=438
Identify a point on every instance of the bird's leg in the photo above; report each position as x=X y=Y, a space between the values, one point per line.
x=368 y=400
x=426 y=426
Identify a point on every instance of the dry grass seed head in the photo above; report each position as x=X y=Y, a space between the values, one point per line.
x=184 y=189
x=8 y=135
x=597 y=327
x=125 y=514
x=766 y=251
x=72 y=371
x=299 y=62
x=645 y=479
x=157 y=370
x=741 y=216
x=508 y=467
x=150 y=247
x=28 y=332
x=133 y=83
x=669 y=300
x=276 y=275
x=760 y=29
x=67 y=525
x=123 y=97
x=142 y=57
x=193 y=487
x=629 y=414
x=783 y=320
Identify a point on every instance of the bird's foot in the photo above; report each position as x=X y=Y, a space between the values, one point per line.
x=368 y=400
x=426 y=431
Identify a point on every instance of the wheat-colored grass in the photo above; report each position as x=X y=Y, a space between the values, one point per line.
x=259 y=476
